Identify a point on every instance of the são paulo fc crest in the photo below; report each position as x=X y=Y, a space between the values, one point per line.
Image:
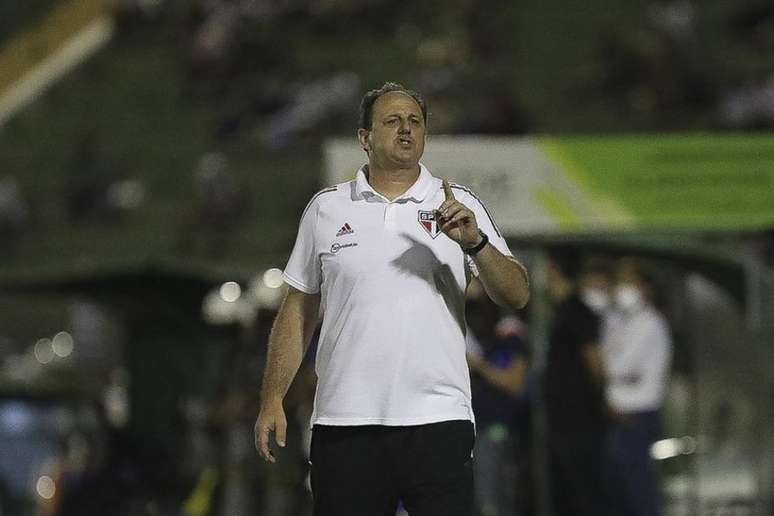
x=427 y=221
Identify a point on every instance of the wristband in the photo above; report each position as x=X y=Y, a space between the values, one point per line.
x=473 y=251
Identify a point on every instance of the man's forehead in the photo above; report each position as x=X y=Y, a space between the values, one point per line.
x=397 y=100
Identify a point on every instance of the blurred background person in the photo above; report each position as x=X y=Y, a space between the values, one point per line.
x=499 y=362
x=574 y=392
x=637 y=350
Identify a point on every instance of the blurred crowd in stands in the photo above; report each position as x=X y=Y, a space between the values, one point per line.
x=669 y=69
x=248 y=67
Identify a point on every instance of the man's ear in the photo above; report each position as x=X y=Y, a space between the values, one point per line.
x=362 y=137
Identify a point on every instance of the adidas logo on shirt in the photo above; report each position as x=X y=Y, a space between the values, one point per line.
x=345 y=230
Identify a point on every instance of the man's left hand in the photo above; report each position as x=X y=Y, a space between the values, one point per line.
x=457 y=221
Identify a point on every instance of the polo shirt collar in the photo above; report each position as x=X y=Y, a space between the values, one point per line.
x=417 y=192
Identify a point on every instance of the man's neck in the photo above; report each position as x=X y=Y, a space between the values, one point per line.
x=393 y=182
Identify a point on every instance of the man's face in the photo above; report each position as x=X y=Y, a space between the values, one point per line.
x=627 y=274
x=397 y=135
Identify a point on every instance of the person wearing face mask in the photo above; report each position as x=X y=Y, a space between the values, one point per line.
x=595 y=286
x=637 y=349
x=573 y=386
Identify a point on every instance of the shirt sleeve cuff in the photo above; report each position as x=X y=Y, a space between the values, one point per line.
x=298 y=284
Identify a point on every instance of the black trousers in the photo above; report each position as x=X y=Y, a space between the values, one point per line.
x=366 y=470
x=577 y=473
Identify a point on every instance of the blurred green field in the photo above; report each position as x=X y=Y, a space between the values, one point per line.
x=678 y=182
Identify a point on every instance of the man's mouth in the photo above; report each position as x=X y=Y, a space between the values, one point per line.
x=404 y=141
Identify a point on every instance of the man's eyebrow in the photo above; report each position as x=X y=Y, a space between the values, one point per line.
x=388 y=115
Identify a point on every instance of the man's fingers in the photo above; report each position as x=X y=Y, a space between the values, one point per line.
x=446 y=210
x=257 y=433
x=270 y=420
x=262 y=431
x=451 y=211
x=263 y=441
x=451 y=224
x=447 y=190
x=459 y=217
x=280 y=429
x=445 y=205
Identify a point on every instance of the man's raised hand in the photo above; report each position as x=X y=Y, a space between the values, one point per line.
x=457 y=221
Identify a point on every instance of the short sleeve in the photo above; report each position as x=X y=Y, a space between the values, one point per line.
x=303 y=268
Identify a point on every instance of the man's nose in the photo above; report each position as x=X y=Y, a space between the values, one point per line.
x=405 y=127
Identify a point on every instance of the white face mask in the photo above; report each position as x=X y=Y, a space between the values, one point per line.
x=596 y=299
x=628 y=297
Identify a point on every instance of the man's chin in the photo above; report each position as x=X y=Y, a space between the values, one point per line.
x=406 y=161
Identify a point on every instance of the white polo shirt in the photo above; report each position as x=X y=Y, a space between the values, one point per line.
x=392 y=344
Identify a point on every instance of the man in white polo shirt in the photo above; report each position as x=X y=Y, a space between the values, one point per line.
x=637 y=349
x=385 y=259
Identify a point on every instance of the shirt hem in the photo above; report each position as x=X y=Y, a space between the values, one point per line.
x=386 y=421
x=631 y=407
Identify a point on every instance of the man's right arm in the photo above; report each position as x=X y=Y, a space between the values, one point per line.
x=290 y=335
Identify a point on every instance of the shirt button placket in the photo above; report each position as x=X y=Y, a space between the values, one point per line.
x=389 y=217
